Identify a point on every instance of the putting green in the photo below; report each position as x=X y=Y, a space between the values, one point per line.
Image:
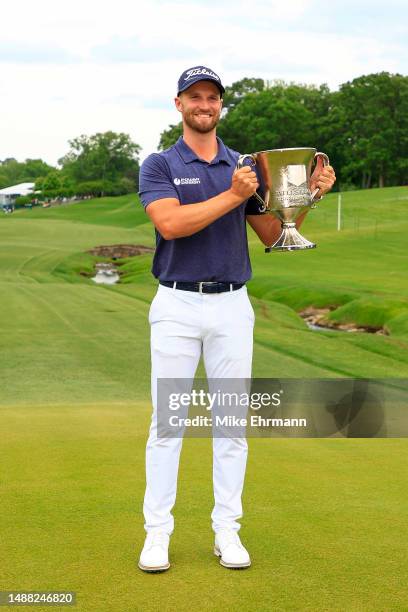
x=324 y=519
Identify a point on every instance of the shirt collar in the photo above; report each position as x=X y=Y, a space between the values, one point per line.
x=189 y=156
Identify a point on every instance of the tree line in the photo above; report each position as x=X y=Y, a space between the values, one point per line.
x=102 y=164
x=363 y=126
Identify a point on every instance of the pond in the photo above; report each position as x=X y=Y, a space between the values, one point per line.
x=106 y=274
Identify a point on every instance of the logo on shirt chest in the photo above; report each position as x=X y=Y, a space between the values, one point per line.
x=186 y=181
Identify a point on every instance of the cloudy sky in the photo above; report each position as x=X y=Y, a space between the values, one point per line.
x=80 y=67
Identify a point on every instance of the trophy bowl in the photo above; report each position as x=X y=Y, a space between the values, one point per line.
x=284 y=180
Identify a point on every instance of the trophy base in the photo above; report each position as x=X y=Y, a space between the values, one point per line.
x=290 y=240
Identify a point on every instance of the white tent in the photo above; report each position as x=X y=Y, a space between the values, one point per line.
x=9 y=194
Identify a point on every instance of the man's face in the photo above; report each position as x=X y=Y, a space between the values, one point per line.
x=200 y=106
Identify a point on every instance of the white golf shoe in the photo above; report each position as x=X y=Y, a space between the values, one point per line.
x=228 y=546
x=155 y=554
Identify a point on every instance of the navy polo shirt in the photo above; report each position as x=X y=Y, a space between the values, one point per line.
x=219 y=252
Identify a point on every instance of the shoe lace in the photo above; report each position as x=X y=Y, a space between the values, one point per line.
x=231 y=537
x=158 y=538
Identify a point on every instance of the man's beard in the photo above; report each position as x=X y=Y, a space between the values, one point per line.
x=194 y=123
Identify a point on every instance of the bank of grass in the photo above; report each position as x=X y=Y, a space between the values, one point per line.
x=324 y=519
x=359 y=272
x=66 y=339
x=374 y=311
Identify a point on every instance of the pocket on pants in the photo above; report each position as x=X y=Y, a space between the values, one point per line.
x=153 y=308
x=163 y=306
x=251 y=312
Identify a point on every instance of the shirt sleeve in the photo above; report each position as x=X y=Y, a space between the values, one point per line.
x=155 y=181
x=253 y=205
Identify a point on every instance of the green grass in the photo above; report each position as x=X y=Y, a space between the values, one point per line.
x=110 y=211
x=324 y=519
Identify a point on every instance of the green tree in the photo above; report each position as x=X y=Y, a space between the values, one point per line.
x=13 y=172
x=170 y=136
x=66 y=187
x=51 y=184
x=93 y=188
x=105 y=157
x=10 y=169
x=39 y=184
x=280 y=116
x=34 y=168
x=235 y=93
x=373 y=119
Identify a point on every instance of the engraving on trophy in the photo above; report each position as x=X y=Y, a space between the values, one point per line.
x=296 y=174
x=293 y=185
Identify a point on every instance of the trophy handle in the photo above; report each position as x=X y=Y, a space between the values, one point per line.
x=326 y=162
x=241 y=164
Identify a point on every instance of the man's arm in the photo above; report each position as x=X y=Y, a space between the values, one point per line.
x=173 y=220
x=268 y=228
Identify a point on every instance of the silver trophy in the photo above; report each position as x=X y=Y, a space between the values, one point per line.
x=284 y=180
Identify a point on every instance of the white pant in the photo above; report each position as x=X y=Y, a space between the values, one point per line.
x=184 y=323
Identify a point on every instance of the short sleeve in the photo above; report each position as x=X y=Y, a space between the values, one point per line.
x=155 y=181
x=253 y=205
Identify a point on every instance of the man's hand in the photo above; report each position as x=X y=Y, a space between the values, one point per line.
x=244 y=183
x=323 y=177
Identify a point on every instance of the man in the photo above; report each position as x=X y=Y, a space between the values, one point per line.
x=199 y=205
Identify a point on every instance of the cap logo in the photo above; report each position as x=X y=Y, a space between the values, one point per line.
x=196 y=71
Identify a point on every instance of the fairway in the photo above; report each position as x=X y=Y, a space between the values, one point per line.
x=325 y=520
